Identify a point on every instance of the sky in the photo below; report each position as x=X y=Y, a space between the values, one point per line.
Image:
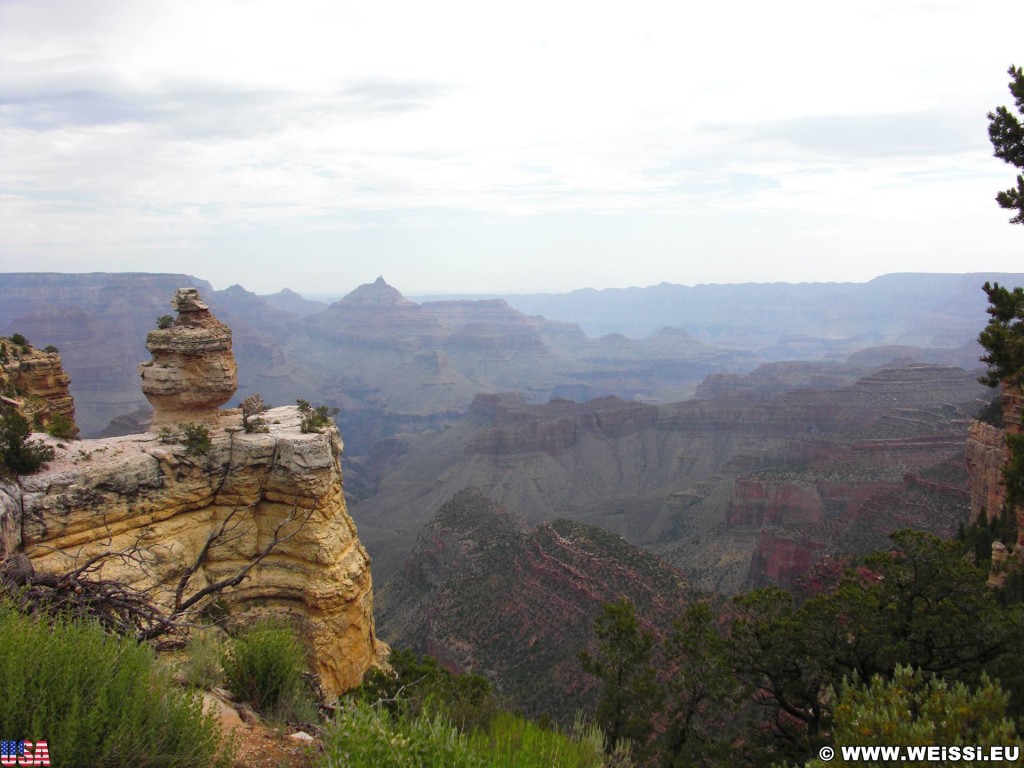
x=476 y=147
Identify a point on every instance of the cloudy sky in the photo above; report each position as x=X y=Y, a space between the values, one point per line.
x=514 y=147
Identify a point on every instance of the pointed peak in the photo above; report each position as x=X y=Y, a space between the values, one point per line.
x=378 y=293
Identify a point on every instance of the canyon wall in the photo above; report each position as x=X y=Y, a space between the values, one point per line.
x=481 y=593
x=987 y=455
x=35 y=383
x=158 y=502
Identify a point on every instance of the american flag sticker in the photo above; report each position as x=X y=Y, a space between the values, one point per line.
x=12 y=748
x=21 y=752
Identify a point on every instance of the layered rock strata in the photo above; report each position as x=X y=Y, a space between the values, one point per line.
x=482 y=594
x=193 y=370
x=35 y=383
x=136 y=494
x=987 y=455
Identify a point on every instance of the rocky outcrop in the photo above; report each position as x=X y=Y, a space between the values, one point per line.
x=34 y=381
x=139 y=495
x=193 y=370
x=756 y=502
x=782 y=558
x=518 y=429
x=986 y=456
x=483 y=594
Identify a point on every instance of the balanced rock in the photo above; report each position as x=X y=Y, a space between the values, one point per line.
x=193 y=369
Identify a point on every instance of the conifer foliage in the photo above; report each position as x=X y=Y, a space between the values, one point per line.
x=1007 y=136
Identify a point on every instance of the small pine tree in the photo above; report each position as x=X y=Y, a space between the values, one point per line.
x=630 y=692
x=253 y=409
x=61 y=426
x=196 y=438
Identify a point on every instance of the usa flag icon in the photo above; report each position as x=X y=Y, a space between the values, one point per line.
x=21 y=752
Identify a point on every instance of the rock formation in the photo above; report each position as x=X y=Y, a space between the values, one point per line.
x=987 y=455
x=482 y=594
x=35 y=383
x=825 y=470
x=193 y=371
x=158 y=508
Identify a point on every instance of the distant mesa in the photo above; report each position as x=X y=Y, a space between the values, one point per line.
x=193 y=370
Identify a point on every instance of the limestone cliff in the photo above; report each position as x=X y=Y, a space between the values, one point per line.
x=161 y=508
x=129 y=492
x=35 y=383
x=987 y=455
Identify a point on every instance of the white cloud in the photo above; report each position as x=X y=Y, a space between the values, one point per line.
x=142 y=127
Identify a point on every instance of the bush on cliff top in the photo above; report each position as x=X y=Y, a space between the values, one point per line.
x=18 y=454
x=313 y=419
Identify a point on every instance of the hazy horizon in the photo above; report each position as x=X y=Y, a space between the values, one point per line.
x=463 y=149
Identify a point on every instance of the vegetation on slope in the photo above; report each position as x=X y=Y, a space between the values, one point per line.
x=97 y=699
x=757 y=684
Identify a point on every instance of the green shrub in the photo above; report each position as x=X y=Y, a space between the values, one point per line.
x=363 y=736
x=196 y=438
x=51 y=349
x=98 y=699
x=915 y=709
x=313 y=419
x=419 y=685
x=18 y=454
x=202 y=667
x=253 y=409
x=19 y=340
x=61 y=426
x=264 y=667
x=165 y=321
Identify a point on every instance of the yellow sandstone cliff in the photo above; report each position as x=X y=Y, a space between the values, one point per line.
x=149 y=497
x=34 y=382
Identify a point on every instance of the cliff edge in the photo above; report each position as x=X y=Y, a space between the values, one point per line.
x=160 y=507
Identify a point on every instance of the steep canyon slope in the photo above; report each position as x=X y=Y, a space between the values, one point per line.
x=734 y=489
x=484 y=594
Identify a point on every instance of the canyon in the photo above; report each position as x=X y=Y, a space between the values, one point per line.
x=552 y=581
x=511 y=473
x=697 y=442
x=727 y=488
